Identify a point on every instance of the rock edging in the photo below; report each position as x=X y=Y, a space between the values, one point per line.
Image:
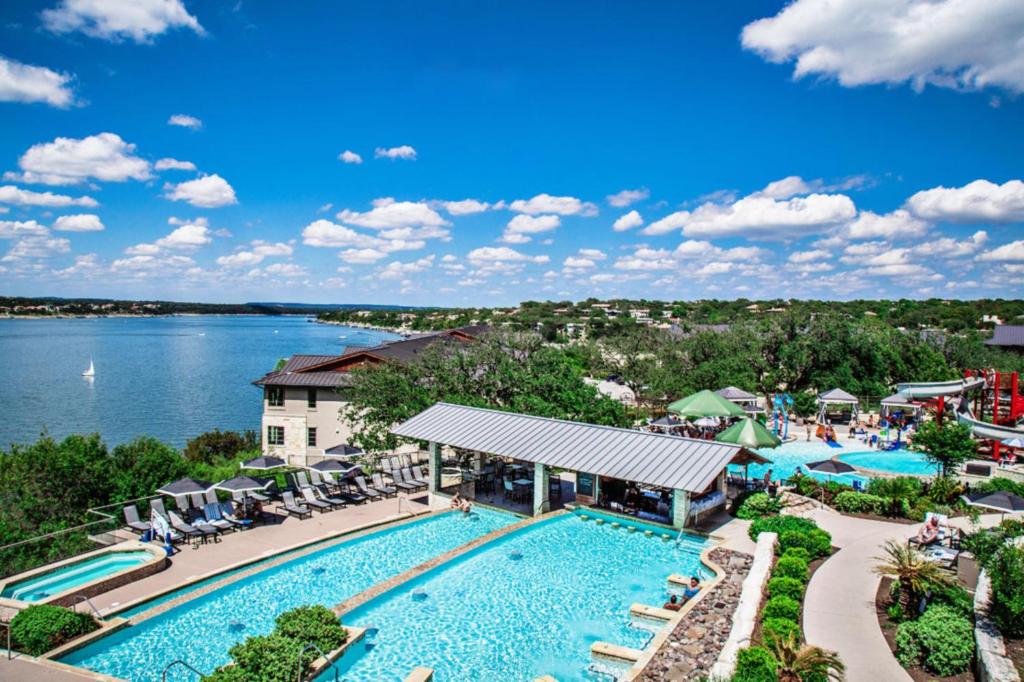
x=993 y=663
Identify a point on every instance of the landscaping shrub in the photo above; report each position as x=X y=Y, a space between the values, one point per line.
x=758 y=505
x=43 y=627
x=800 y=552
x=270 y=658
x=782 y=586
x=755 y=664
x=908 y=644
x=899 y=488
x=779 y=524
x=860 y=503
x=995 y=485
x=984 y=543
x=955 y=597
x=781 y=607
x=1006 y=571
x=817 y=542
x=792 y=567
x=946 y=639
x=229 y=673
x=778 y=629
x=316 y=624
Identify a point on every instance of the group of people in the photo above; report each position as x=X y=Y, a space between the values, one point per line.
x=461 y=503
x=674 y=603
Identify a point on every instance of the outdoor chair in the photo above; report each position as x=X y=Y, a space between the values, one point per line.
x=227 y=512
x=317 y=479
x=422 y=474
x=378 y=483
x=211 y=496
x=396 y=463
x=293 y=509
x=131 y=517
x=197 y=502
x=157 y=505
x=199 y=530
x=215 y=519
x=302 y=480
x=366 y=490
x=321 y=493
x=401 y=483
x=411 y=478
x=311 y=499
x=508 y=490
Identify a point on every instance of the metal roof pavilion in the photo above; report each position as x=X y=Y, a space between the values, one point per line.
x=650 y=458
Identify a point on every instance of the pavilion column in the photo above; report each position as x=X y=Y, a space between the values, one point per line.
x=680 y=507
x=541 y=503
x=434 y=467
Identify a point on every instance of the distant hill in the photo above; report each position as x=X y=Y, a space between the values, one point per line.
x=57 y=306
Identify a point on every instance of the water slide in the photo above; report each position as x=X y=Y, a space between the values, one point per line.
x=937 y=389
x=984 y=429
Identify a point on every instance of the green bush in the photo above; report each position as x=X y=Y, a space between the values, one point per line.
x=755 y=664
x=817 y=542
x=898 y=488
x=1007 y=575
x=43 y=627
x=229 y=673
x=956 y=598
x=995 y=485
x=946 y=639
x=984 y=543
x=778 y=630
x=800 y=552
x=316 y=624
x=270 y=658
x=908 y=644
x=758 y=505
x=782 y=586
x=781 y=607
x=792 y=567
x=779 y=524
x=860 y=503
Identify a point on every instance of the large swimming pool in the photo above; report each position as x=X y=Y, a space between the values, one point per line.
x=202 y=630
x=526 y=605
x=907 y=462
x=790 y=457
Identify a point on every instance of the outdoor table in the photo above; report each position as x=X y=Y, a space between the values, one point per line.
x=941 y=555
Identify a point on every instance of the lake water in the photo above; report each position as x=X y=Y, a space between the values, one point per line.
x=168 y=377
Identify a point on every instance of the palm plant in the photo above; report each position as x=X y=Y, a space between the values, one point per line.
x=799 y=662
x=914 y=571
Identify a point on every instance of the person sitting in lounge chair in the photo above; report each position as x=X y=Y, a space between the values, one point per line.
x=694 y=588
x=929 y=532
x=673 y=603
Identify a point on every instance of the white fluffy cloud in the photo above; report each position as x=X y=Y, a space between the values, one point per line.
x=144 y=264
x=810 y=256
x=174 y=164
x=1014 y=251
x=787 y=187
x=349 y=156
x=399 y=270
x=593 y=254
x=285 y=270
x=518 y=229
x=899 y=223
x=947 y=43
x=82 y=222
x=185 y=121
x=36 y=246
x=403 y=152
x=209 y=191
x=188 y=236
x=138 y=20
x=388 y=213
x=497 y=254
x=579 y=262
x=466 y=206
x=9 y=194
x=260 y=251
x=628 y=222
x=545 y=203
x=362 y=256
x=978 y=201
x=946 y=247
x=13 y=229
x=628 y=196
x=27 y=83
x=324 y=233
x=68 y=160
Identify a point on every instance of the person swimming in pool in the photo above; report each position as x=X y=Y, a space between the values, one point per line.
x=465 y=506
x=673 y=604
x=456 y=502
x=693 y=590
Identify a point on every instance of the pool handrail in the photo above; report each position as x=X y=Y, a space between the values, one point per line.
x=178 y=661
x=298 y=661
x=79 y=598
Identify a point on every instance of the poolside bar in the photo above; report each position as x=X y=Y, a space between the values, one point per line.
x=662 y=478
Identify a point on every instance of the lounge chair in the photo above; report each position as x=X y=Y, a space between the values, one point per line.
x=213 y=517
x=202 y=531
x=211 y=496
x=227 y=512
x=410 y=477
x=401 y=483
x=293 y=509
x=131 y=517
x=352 y=496
x=379 y=485
x=157 y=505
x=365 y=489
x=314 y=502
x=197 y=502
x=323 y=493
x=301 y=480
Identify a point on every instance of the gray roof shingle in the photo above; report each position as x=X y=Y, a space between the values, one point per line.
x=1007 y=335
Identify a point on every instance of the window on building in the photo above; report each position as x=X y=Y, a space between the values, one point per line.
x=275 y=396
x=311 y=397
x=311 y=437
x=275 y=435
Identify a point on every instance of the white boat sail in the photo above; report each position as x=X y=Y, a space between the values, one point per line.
x=91 y=372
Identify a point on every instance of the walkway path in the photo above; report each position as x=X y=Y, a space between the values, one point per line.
x=839 y=608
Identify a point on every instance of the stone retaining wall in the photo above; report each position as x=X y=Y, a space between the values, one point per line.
x=993 y=663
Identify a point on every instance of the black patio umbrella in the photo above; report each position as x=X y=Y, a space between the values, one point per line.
x=264 y=463
x=184 y=486
x=343 y=450
x=335 y=468
x=1000 y=501
x=243 y=484
x=830 y=466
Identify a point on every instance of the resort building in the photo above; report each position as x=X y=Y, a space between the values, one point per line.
x=1008 y=336
x=303 y=400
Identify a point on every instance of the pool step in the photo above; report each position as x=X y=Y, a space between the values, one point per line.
x=420 y=674
x=622 y=653
x=647 y=611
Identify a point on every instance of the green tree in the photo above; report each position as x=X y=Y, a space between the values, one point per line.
x=213 y=445
x=141 y=466
x=948 y=444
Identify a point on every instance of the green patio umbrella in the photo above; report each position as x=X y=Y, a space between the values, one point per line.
x=706 y=404
x=750 y=434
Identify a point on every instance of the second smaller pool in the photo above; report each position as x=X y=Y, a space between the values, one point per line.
x=45 y=585
x=904 y=462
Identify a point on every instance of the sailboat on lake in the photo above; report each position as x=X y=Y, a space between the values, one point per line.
x=91 y=372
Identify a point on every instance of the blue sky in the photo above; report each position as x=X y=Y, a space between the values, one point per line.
x=499 y=152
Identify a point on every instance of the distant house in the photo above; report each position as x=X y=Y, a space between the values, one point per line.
x=1008 y=336
x=302 y=400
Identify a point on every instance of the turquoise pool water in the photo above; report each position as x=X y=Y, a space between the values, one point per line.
x=202 y=630
x=894 y=461
x=526 y=605
x=70 y=577
x=790 y=457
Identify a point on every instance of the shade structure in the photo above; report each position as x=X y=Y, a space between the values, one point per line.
x=1000 y=501
x=264 y=463
x=184 y=486
x=749 y=433
x=706 y=404
x=343 y=450
x=243 y=484
x=830 y=466
x=733 y=393
x=706 y=422
x=667 y=420
x=1014 y=442
x=336 y=468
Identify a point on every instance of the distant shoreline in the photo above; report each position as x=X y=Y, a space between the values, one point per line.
x=7 y=316
x=402 y=331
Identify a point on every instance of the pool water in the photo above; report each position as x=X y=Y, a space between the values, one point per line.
x=202 y=630
x=906 y=462
x=790 y=457
x=526 y=605
x=71 y=576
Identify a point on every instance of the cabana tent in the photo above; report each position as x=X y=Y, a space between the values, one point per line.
x=897 y=402
x=836 y=396
x=738 y=396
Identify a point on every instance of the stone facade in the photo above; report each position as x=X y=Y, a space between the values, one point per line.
x=296 y=417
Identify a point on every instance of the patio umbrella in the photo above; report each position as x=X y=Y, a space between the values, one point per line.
x=706 y=404
x=343 y=450
x=1014 y=442
x=264 y=463
x=706 y=422
x=184 y=486
x=830 y=466
x=243 y=484
x=749 y=433
x=1001 y=501
x=334 y=467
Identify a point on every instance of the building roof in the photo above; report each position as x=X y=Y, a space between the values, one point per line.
x=733 y=393
x=898 y=400
x=836 y=395
x=298 y=362
x=1007 y=335
x=626 y=454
